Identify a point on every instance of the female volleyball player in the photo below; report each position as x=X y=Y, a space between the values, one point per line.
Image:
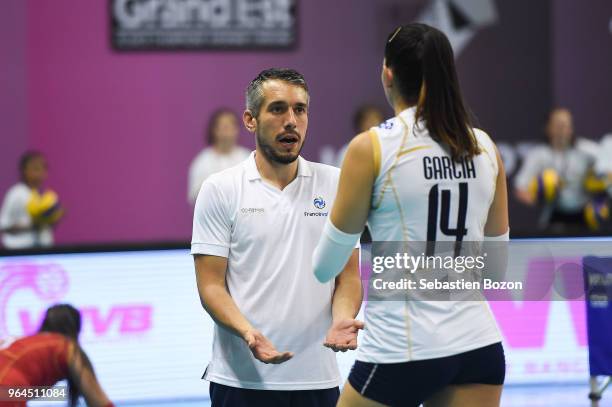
x=424 y=175
x=51 y=355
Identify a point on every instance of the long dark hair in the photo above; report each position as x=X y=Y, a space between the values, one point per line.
x=64 y=319
x=423 y=66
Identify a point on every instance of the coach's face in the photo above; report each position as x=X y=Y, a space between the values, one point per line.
x=281 y=124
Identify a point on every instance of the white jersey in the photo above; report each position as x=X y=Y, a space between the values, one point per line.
x=13 y=213
x=268 y=237
x=572 y=165
x=209 y=162
x=416 y=176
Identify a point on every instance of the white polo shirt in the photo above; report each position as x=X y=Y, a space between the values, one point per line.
x=268 y=237
x=209 y=161
x=14 y=212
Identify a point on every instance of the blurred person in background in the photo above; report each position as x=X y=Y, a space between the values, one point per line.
x=223 y=151
x=556 y=177
x=365 y=117
x=603 y=166
x=49 y=356
x=599 y=183
x=29 y=212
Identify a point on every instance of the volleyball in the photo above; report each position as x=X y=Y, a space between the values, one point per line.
x=44 y=208
x=545 y=187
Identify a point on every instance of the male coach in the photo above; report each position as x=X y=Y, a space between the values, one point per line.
x=255 y=228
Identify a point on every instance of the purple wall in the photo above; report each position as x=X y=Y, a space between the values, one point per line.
x=506 y=79
x=13 y=113
x=120 y=129
x=505 y=71
x=582 y=62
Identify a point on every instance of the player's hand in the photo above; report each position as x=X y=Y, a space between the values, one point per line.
x=342 y=335
x=263 y=349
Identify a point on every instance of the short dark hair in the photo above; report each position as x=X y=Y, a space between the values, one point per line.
x=422 y=55
x=212 y=123
x=254 y=94
x=25 y=159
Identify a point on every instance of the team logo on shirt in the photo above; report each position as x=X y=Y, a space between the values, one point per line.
x=320 y=204
x=388 y=125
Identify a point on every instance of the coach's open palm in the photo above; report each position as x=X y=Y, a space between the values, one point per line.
x=263 y=349
x=342 y=335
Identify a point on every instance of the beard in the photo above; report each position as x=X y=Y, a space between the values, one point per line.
x=275 y=156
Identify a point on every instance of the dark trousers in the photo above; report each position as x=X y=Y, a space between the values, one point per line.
x=226 y=396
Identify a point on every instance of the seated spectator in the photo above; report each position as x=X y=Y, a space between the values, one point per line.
x=29 y=212
x=222 y=151
x=553 y=177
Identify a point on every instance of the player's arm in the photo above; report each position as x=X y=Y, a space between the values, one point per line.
x=350 y=210
x=348 y=292
x=352 y=204
x=496 y=229
x=82 y=374
x=497 y=219
x=346 y=302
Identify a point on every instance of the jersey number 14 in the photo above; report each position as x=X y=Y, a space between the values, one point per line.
x=459 y=231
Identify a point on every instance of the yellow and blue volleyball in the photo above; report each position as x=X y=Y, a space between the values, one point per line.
x=44 y=207
x=597 y=213
x=596 y=184
x=545 y=187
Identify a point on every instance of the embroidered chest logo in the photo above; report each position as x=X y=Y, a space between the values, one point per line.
x=252 y=210
x=319 y=202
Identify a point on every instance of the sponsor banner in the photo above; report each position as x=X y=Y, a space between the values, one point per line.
x=149 y=338
x=193 y=24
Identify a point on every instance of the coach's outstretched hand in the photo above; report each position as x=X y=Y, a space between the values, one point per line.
x=263 y=349
x=342 y=335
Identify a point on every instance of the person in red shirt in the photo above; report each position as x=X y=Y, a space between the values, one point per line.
x=51 y=355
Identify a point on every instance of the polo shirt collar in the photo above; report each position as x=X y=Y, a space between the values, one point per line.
x=252 y=172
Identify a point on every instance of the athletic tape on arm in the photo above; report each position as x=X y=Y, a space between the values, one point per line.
x=332 y=252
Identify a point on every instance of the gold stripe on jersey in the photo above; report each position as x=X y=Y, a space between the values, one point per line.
x=376 y=152
x=408 y=325
x=410 y=150
x=389 y=182
x=388 y=179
